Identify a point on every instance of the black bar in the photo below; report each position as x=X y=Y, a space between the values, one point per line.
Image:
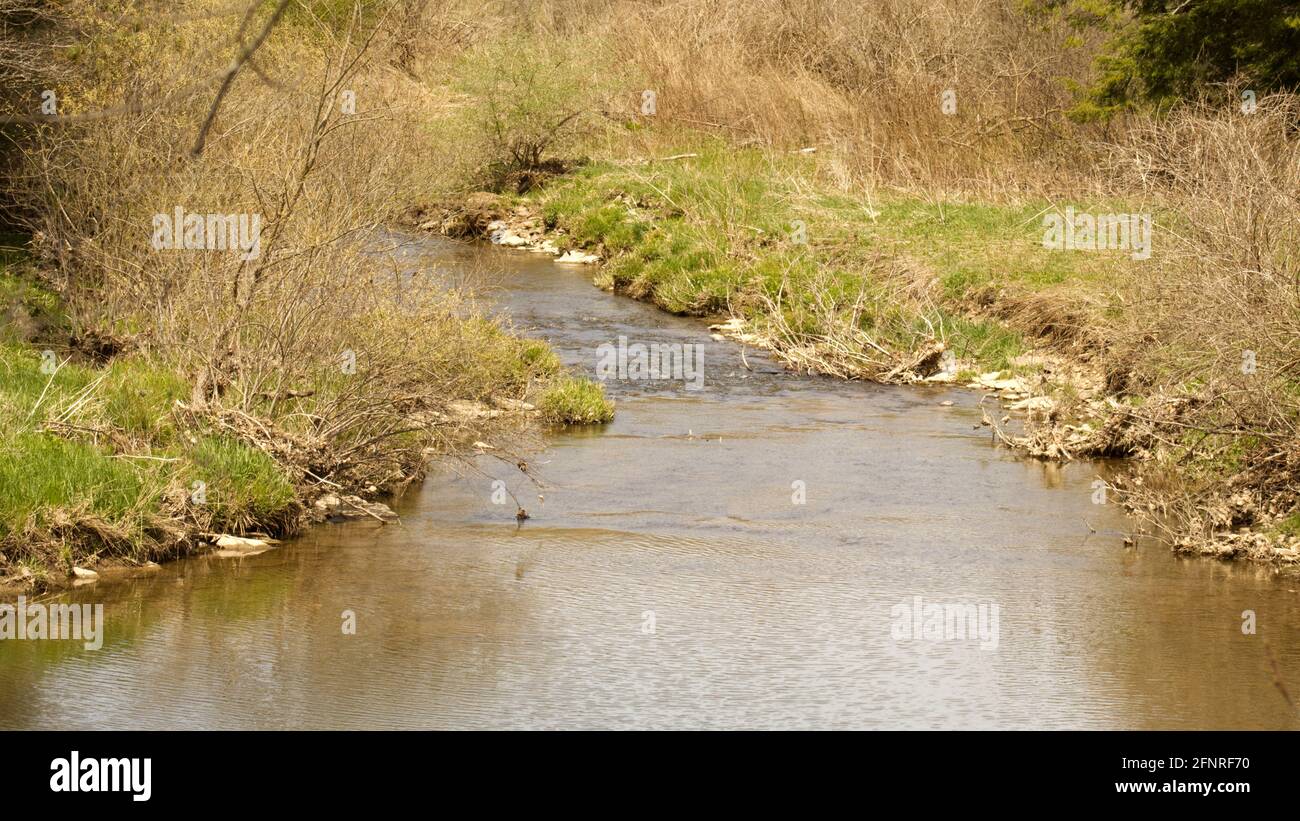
x=245 y=770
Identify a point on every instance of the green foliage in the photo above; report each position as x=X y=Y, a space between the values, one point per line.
x=130 y=456
x=573 y=400
x=989 y=344
x=40 y=473
x=27 y=394
x=138 y=398
x=1163 y=51
x=538 y=357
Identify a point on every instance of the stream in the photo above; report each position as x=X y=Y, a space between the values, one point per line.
x=739 y=556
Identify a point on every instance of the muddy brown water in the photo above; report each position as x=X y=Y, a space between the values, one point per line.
x=668 y=578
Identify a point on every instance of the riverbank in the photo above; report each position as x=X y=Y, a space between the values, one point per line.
x=107 y=463
x=898 y=289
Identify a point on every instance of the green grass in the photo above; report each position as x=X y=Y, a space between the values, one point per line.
x=40 y=473
x=574 y=400
x=132 y=396
x=119 y=459
x=1290 y=526
x=26 y=393
x=244 y=487
x=28 y=311
x=138 y=398
x=715 y=233
x=990 y=344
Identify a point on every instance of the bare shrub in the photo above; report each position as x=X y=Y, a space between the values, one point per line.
x=316 y=338
x=1215 y=321
x=529 y=104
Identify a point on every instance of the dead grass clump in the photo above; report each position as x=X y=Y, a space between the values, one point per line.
x=868 y=80
x=876 y=328
x=1063 y=322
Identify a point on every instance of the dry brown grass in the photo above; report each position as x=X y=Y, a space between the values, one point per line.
x=863 y=79
x=318 y=179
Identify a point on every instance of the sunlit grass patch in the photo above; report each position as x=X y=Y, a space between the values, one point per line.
x=986 y=342
x=80 y=445
x=28 y=394
x=573 y=400
x=750 y=232
x=243 y=487
x=138 y=398
x=40 y=473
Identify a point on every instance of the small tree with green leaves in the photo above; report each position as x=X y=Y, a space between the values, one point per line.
x=531 y=104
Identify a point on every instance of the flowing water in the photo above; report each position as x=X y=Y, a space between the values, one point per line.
x=669 y=578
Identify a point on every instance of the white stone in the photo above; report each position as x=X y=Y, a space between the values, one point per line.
x=1034 y=403
x=239 y=543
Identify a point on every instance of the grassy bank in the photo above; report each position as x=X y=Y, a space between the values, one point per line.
x=108 y=463
x=752 y=234
x=872 y=287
